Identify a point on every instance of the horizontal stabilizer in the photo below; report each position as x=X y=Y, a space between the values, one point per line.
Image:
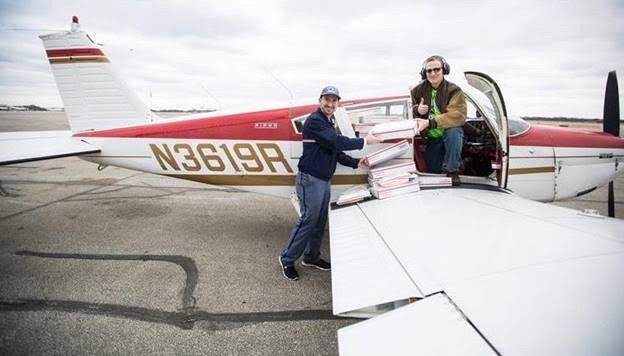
x=18 y=147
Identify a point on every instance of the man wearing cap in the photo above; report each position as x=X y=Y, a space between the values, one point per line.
x=322 y=148
x=440 y=107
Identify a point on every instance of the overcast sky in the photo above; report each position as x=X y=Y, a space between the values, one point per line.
x=550 y=58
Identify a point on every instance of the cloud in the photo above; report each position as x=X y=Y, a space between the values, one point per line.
x=549 y=59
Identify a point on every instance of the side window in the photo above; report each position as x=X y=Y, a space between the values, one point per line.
x=365 y=116
x=398 y=109
x=298 y=123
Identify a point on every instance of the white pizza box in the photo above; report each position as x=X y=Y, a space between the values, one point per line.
x=386 y=170
x=353 y=195
x=391 y=181
x=433 y=181
x=387 y=192
x=379 y=119
x=363 y=129
x=387 y=153
x=395 y=130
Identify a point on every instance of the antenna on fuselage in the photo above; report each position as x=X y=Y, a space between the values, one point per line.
x=292 y=98
x=151 y=109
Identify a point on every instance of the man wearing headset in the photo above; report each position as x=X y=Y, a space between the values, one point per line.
x=322 y=149
x=440 y=109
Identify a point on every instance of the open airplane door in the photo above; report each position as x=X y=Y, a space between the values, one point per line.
x=497 y=120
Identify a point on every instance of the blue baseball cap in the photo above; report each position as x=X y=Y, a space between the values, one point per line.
x=330 y=90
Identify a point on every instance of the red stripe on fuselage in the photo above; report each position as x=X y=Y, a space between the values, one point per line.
x=552 y=136
x=74 y=52
x=228 y=127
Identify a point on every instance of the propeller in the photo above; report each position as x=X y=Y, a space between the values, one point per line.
x=611 y=123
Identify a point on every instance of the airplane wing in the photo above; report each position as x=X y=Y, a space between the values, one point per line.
x=476 y=272
x=26 y=146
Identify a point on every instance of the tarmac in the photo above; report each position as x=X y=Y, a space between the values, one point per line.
x=123 y=262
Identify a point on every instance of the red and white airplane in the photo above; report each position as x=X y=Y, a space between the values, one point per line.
x=259 y=150
x=487 y=266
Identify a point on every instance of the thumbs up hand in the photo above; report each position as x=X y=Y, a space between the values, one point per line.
x=422 y=108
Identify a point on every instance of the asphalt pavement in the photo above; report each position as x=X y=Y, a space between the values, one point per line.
x=123 y=262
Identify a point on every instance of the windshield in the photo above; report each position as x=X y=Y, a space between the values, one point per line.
x=517 y=126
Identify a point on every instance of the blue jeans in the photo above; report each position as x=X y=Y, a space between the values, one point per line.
x=306 y=235
x=444 y=155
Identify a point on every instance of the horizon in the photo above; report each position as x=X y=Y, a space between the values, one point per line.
x=193 y=110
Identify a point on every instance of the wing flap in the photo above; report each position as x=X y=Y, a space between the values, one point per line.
x=18 y=147
x=432 y=326
x=365 y=273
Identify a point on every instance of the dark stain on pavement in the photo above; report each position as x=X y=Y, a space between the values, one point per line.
x=184 y=319
x=187 y=264
x=211 y=321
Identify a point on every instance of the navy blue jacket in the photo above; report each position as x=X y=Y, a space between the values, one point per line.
x=323 y=146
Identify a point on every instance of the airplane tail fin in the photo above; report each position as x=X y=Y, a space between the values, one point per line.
x=611 y=111
x=94 y=96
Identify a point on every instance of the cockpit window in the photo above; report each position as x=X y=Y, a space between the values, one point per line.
x=517 y=126
x=395 y=109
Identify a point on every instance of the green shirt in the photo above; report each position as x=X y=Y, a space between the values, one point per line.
x=433 y=113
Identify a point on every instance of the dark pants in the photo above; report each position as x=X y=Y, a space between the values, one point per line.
x=443 y=155
x=306 y=235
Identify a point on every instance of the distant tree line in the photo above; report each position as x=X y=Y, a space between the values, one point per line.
x=31 y=107
x=179 y=110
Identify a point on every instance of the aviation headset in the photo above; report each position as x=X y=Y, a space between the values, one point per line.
x=446 y=68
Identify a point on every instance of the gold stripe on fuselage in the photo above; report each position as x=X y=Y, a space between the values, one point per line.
x=531 y=170
x=265 y=180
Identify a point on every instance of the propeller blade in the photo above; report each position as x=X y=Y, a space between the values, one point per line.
x=611 y=123
x=611 y=111
x=611 y=201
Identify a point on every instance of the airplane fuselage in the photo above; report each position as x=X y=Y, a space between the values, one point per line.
x=259 y=152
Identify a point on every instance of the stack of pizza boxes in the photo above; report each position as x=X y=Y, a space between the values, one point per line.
x=389 y=176
x=390 y=179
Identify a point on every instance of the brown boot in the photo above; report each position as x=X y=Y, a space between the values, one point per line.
x=454 y=178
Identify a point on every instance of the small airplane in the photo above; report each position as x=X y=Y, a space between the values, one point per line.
x=259 y=150
x=430 y=267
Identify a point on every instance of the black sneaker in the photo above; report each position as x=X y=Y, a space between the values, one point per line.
x=320 y=264
x=289 y=273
